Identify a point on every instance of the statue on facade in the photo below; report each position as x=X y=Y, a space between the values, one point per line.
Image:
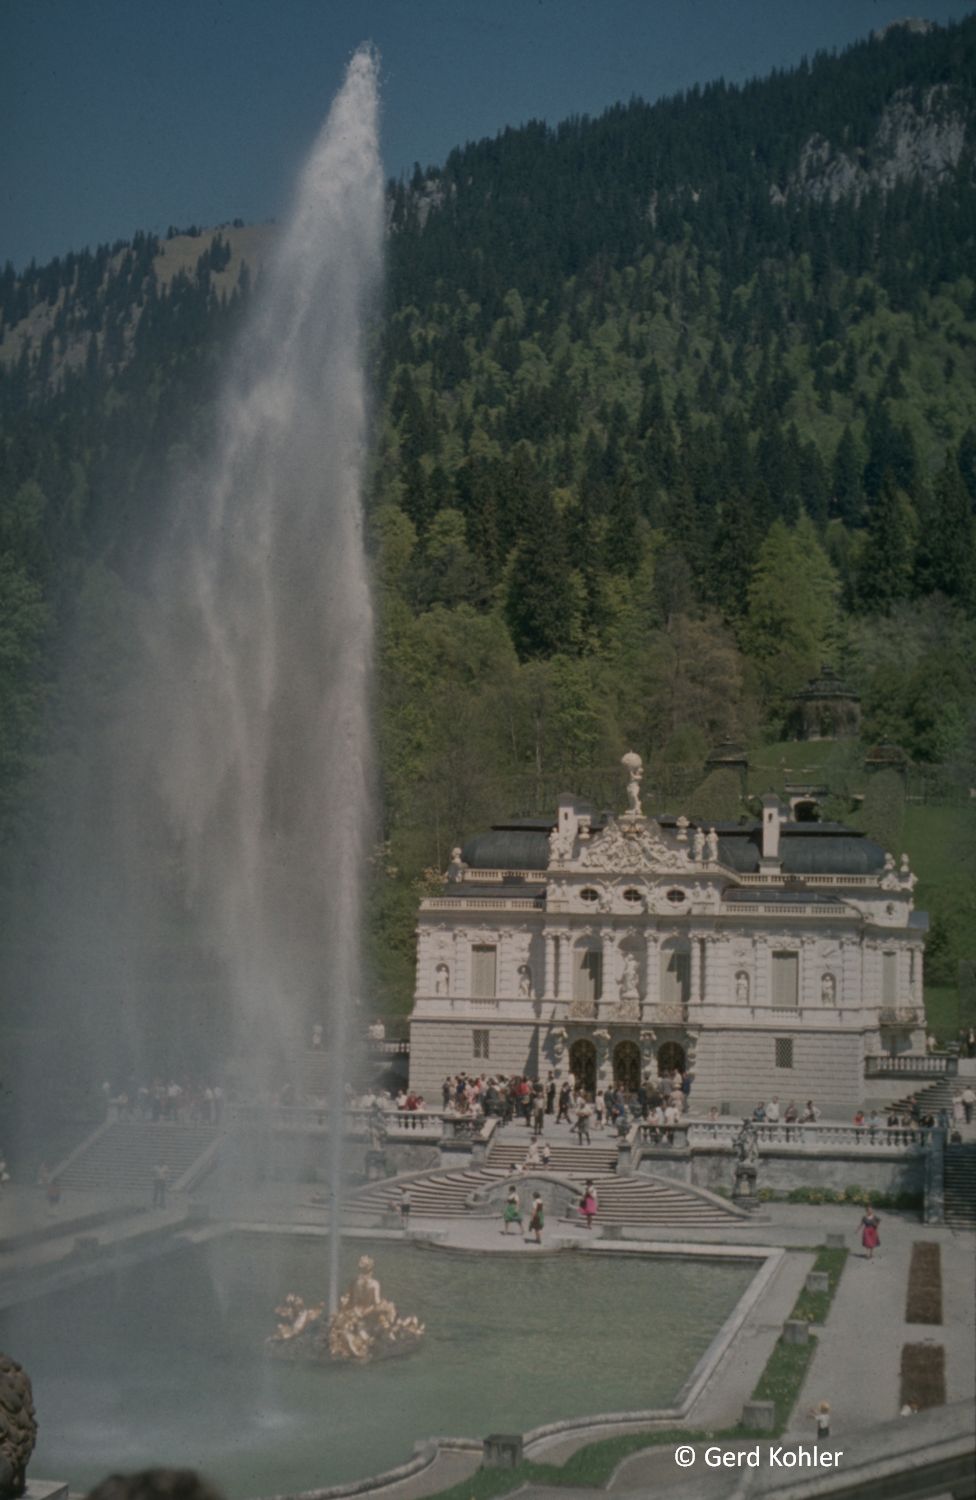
x=828 y=989
x=742 y=987
x=698 y=844
x=365 y=1325
x=711 y=845
x=525 y=982
x=635 y=775
x=630 y=979
x=18 y=1427
x=456 y=867
x=560 y=845
x=442 y=979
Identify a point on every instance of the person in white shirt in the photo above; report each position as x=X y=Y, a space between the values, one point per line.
x=772 y=1111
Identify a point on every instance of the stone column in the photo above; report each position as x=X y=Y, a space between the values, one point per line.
x=694 y=990
x=760 y=990
x=548 y=989
x=462 y=965
x=652 y=970
x=809 y=971
x=505 y=983
x=848 y=986
x=564 y=966
x=609 y=952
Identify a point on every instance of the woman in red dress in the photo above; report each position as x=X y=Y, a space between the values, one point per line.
x=870 y=1238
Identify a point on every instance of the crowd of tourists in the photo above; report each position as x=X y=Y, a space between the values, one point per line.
x=528 y=1101
x=187 y=1103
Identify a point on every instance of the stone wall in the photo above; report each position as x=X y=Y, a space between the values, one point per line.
x=738 y=1068
x=782 y=1171
x=440 y=1048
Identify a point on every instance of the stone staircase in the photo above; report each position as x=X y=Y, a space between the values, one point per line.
x=960 y=1186
x=120 y=1157
x=440 y=1195
x=575 y=1161
x=931 y=1099
x=643 y=1202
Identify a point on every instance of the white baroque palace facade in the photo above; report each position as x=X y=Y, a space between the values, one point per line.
x=767 y=958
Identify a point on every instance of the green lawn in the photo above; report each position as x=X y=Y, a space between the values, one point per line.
x=592 y=1466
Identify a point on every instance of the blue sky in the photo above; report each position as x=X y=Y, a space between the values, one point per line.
x=123 y=116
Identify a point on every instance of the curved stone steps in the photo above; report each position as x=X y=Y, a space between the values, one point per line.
x=622 y=1200
x=565 y=1157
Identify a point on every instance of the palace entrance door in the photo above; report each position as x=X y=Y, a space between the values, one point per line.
x=670 y=1055
x=582 y=1064
x=627 y=1066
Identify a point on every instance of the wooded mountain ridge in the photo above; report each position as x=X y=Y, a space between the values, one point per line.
x=672 y=406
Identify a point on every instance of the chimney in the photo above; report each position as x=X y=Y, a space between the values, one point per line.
x=770 y=830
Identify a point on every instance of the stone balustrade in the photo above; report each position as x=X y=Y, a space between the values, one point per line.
x=819 y=1137
x=911 y=1064
x=483 y=903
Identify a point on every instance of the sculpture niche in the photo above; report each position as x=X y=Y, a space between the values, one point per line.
x=365 y=1326
x=18 y=1427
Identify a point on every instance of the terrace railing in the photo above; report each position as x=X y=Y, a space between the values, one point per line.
x=819 y=1137
x=911 y=1065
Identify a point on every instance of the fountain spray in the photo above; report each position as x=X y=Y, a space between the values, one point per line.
x=256 y=705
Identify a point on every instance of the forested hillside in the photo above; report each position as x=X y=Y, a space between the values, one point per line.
x=672 y=406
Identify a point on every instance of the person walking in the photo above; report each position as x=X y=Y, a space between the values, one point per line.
x=968 y=1100
x=405 y=1207
x=583 y=1122
x=565 y=1095
x=160 y=1177
x=538 y=1219
x=588 y=1203
x=870 y=1238
x=512 y=1212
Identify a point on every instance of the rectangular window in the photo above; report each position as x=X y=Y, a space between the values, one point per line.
x=786 y=980
x=588 y=981
x=784 y=1052
x=481 y=1043
x=675 y=976
x=889 y=978
x=484 y=964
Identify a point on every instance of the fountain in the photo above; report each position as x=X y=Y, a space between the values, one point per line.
x=365 y=1325
x=254 y=710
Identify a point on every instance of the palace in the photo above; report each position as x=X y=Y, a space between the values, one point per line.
x=768 y=957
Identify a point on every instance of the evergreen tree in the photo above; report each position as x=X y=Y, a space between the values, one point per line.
x=887 y=562
x=946 y=558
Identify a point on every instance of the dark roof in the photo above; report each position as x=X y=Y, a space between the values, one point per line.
x=827 y=685
x=805 y=848
x=519 y=845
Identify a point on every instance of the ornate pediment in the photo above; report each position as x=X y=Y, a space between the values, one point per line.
x=633 y=847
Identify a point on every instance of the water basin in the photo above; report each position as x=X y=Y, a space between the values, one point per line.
x=163 y=1363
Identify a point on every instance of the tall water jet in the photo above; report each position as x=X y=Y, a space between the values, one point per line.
x=254 y=705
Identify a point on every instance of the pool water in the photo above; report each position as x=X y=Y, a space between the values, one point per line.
x=164 y=1363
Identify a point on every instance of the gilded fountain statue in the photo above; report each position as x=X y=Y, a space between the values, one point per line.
x=364 y=1327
